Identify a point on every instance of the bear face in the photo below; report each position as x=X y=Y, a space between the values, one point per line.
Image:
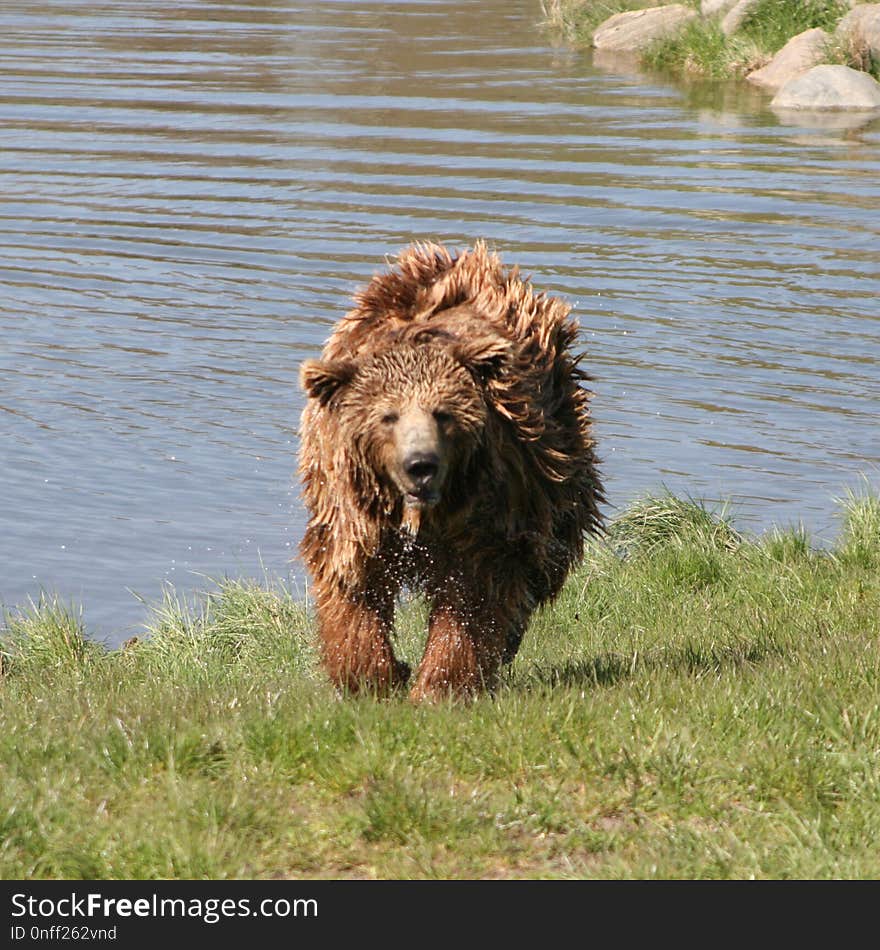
x=416 y=412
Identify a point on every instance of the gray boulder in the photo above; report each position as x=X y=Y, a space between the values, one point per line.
x=799 y=54
x=829 y=87
x=634 y=30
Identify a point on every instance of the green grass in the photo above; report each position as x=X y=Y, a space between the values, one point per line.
x=772 y=23
x=701 y=49
x=696 y=704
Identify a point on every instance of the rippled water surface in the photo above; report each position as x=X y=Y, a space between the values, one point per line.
x=190 y=192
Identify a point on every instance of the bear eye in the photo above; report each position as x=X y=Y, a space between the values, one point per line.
x=390 y=418
x=443 y=417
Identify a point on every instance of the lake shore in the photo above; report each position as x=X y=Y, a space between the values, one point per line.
x=719 y=39
x=696 y=704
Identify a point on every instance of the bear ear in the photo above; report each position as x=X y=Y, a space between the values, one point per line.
x=483 y=356
x=321 y=379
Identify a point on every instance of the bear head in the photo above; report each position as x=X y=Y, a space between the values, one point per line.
x=413 y=411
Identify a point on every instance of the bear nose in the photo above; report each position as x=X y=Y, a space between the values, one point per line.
x=422 y=467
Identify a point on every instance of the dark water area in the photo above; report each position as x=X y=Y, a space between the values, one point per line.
x=191 y=191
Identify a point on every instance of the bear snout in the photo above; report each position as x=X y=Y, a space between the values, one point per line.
x=420 y=465
x=422 y=469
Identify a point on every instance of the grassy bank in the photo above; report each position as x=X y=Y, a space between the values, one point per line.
x=697 y=704
x=701 y=48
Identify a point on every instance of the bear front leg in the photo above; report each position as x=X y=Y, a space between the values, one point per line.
x=356 y=646
x=462 y=656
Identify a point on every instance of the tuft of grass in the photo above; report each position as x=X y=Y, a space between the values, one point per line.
x=788 y=546
x=232 y=623
x=695 y=704
x=860 y=539
x=702 y=49
x=664 y=520
x=770 y=24
x=46 y=635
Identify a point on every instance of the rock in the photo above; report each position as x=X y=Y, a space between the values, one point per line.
x=799 y=54
x=860 y=29
x=733 y=20
x=636 y=29
x=711 y=7
x=829 y=87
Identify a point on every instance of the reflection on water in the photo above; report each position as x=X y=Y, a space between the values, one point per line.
x=191 y=191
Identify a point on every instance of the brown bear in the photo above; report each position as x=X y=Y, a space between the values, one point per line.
x=446 y=447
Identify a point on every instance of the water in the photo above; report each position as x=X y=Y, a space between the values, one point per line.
x=190 y=192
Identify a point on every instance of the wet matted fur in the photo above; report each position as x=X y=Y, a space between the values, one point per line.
x=446 y=446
